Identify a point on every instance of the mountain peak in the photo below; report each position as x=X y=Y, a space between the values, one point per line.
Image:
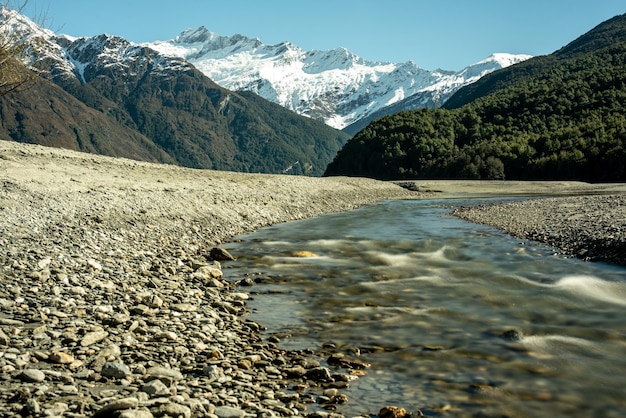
x=334 y=86
x=192 y=36
x=212 y=40
x=505 y=59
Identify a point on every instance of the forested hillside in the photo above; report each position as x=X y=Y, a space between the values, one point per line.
x=106 y=95
x=555 y=117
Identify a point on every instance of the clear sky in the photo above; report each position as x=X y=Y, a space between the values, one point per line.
x=448 y=34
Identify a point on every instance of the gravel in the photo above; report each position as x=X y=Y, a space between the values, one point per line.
x=113 y=300
x=591 y=227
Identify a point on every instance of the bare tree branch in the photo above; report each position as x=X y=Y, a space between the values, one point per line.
x=13 y=48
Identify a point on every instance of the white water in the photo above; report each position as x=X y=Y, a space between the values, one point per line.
x=471 y=321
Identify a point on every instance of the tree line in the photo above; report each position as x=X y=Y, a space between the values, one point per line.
x=565 y=122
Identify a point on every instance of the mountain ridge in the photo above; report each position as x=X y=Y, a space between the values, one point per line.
x=334 y=86
x=165 y=100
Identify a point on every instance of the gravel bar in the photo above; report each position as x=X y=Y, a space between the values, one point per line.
x=590 y=227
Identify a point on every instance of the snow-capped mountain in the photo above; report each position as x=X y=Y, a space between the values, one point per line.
x=336 y=86
x=143 y=104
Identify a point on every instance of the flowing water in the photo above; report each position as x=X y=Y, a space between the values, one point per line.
x=456 y=319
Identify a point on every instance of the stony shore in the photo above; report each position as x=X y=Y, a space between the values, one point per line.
x=113 y=304
x=590 y=227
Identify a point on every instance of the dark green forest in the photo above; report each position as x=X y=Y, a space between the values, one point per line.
x=557 y=117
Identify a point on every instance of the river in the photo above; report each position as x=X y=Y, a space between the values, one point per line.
x=455 y=318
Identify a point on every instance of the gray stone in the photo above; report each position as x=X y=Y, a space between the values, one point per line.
x=136 y=413
x=93 y=337
x=167 y=376
x=213 y=372
x=229 y=412
x=32 y=406
x=117 y=405
x=115 y=370
x=174 y=410
x=33 y=375
x=156 y=388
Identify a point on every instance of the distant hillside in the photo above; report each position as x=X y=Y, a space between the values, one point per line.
x=142 y=99
x=43 y=113
x=602 y=36
x=555 y=117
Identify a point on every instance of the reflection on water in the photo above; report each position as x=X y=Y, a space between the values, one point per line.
x=467 y=320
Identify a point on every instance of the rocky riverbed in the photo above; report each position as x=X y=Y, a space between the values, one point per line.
x=112 y=302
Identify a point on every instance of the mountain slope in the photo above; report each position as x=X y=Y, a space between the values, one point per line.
x=336 y=86
x=604 y=35
x=559 y=117
x=43 y=113
x=180 y=110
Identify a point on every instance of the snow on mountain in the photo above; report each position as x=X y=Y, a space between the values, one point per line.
x=335 y=86
x=83 y=58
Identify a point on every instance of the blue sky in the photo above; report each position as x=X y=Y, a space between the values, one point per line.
x=448 y=34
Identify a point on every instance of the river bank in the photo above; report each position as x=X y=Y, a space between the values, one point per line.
x=592 y=228
x=111 y=302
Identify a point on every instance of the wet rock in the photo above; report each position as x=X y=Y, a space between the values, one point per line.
x=220 y=254
x=340 y=360
x=392 y=412
x=295 y=372
x=303 y=254
x=319 y=374
x=512 y=335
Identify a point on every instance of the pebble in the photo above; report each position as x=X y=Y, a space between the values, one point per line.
x=115 y=370
x=156 y=388
x=391 y=411
x=174 y=410
x=33 y=375
x=116 y=405
x=60 y=357
x=93 y=337
x=229 y=412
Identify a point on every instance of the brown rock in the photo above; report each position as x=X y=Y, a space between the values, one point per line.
x=220 y=254
x=392 y=412
x=303 y=254
x=59 y=357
